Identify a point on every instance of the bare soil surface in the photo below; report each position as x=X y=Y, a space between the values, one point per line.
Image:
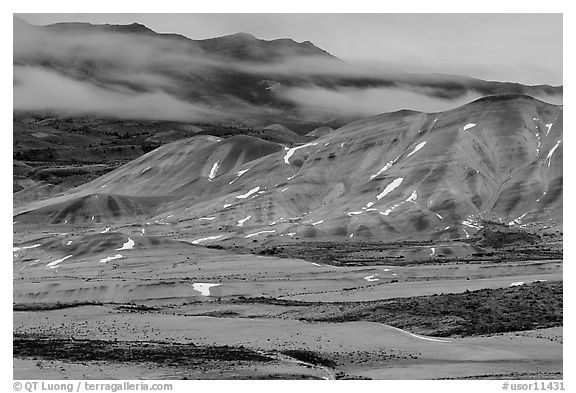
x=169 y=309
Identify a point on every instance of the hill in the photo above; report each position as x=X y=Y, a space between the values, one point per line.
x=402 y=175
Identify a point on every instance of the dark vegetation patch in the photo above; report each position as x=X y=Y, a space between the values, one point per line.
x=496 y=235
x=52 y=306
x=517 y=376
x=309 y=357
x=61 y=306
x=486 y=311
x=494 y=243
x=161 y=353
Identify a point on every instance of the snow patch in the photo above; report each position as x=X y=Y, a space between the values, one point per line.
x=127 y=246
x=390 y=187
x=549 y=156
x=385 y=167
x=517 y=284
x=390 y=210
x=53 y=264
x=291 y=151
x=242 y=221
x=432 y=251
x=203 y=288
x=213 y=171
x=207 y=218
x=108 y=259
x=106 y=230
x=472 y=223
x=198 y=241
x=252 y=191
x=257 y=233
x=517 y=221
x=371 y=278
x=548 y=128
x=317 y=222
x=418 y=147
x=240 y=173
x=469 y=125
x=412 y=197
x=15 y=249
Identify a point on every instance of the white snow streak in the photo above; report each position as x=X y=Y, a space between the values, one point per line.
x=291 y=151
x=418 y=147
x=198 y=241
x=14 y=249
x=108 y=259
x=257 y=233
x=518 y=220
x=252 y=191
x=469 y=125
x=412 y=197
x=385 y=167
x=213 y=171
x=53 y=264
x=549 y=156
x=390 y=187
x=240 y=173
x=472 y=224
x=242 y=221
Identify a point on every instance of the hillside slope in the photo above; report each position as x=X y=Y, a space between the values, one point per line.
x=402 y=175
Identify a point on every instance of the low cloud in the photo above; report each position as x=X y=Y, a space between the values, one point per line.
x=370 y=101
x=36 y=89
x=95 y=70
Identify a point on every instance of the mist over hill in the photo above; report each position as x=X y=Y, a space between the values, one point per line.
x=132 y=72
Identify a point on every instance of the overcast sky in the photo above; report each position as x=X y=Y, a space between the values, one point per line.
x=525 y=48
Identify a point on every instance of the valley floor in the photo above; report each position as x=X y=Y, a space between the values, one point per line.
x=175 y=310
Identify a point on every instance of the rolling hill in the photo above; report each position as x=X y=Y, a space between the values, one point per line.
x=402 y=175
